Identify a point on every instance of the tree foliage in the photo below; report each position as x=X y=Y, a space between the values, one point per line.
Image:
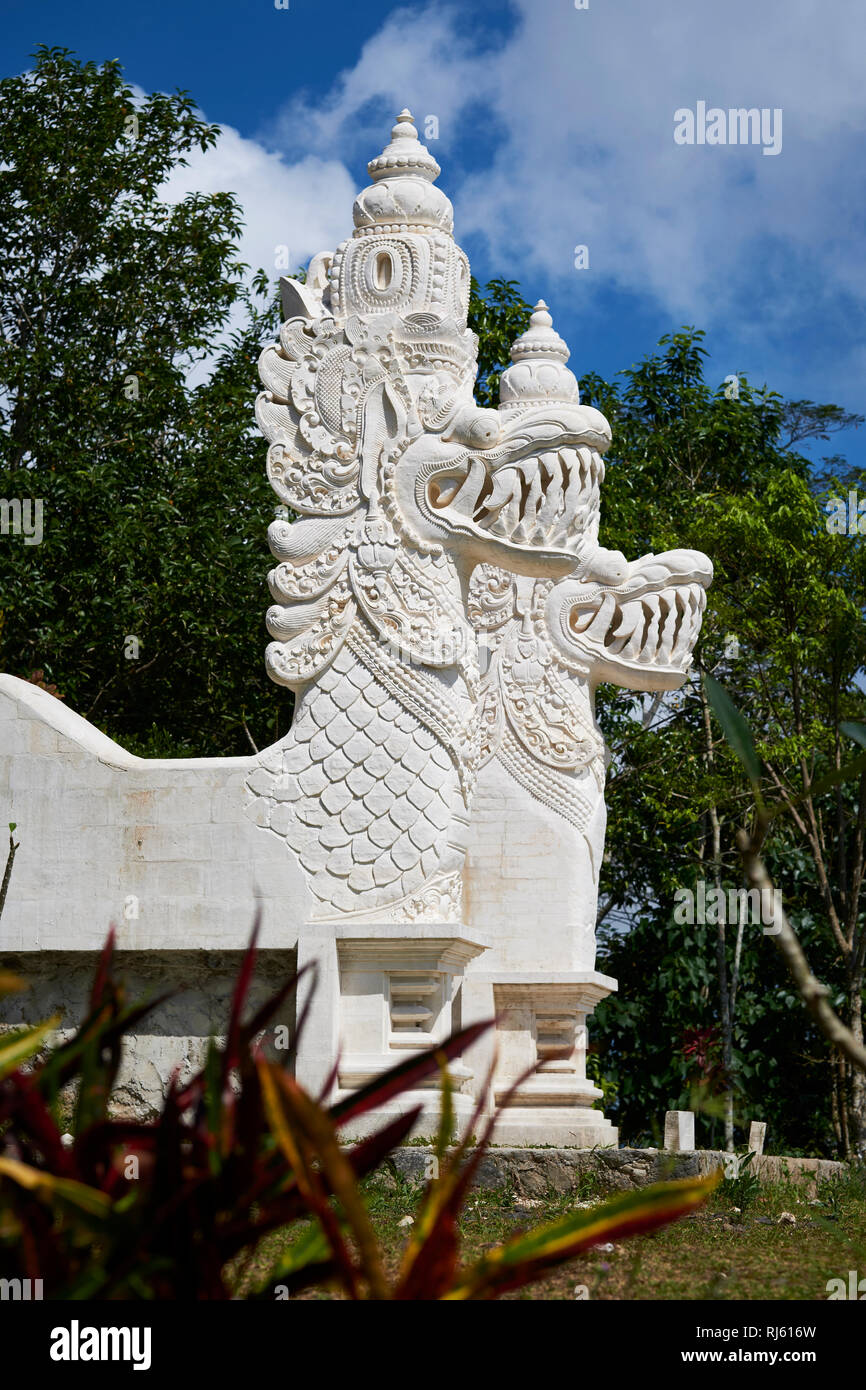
x=691 y=466
x=153 y=492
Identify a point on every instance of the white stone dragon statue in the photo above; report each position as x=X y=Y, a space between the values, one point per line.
x=444 y=817
x=403 y=487
x=549 y=644
x=446 y=813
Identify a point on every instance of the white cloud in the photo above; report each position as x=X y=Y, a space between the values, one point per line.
x=578 y=148
x=290 y=210
x=303 y=205
x=418 y=57
x=575 y=145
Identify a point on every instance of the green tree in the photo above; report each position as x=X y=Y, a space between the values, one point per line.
x=692 y=465
x=498 y=315
x=153 y=493
x=144 y=604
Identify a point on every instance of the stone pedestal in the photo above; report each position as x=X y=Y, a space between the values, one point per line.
x=379 y=997
x=680 y=1131
x=541 y=1025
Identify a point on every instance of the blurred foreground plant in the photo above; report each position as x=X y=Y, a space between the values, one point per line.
x=161 y=1210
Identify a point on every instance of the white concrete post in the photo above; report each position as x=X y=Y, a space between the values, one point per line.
x=680 y=1131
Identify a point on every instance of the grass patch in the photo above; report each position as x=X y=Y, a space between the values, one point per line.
x=725 y=1251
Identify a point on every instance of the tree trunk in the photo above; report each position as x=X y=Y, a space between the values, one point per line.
x=725 y=1010
x=857 y=1118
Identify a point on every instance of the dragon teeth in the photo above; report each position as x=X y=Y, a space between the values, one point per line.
x=546 y=514
x=657 y=627
x=504 y=483
x=649 y=646
x=670 y=626
x=600 y=624
x=546 y=499
x=465 y=500
x=535 y=495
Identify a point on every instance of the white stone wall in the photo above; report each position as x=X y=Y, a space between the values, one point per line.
x=165 y=851
x=105 y=835
x=175 y=1035
x=531 y=879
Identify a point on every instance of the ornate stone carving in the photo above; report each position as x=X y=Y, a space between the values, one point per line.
x=552 y=644
x=402 y=486
x=427 y=796
x=428 y=835
x=549 y=644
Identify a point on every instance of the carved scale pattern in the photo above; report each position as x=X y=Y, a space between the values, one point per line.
x=367 y=399
x=370 y=788
x=366 y=793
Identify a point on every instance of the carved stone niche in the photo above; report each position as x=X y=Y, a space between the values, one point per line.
x=541 y=1023
x=381 y=996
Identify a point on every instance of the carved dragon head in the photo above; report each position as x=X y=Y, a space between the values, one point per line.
x=377 y=444
x=638 y=632
x=552 y=643
x=634 y=623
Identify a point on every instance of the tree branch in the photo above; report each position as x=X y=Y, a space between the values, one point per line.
x=814 y=995
x=4 y=888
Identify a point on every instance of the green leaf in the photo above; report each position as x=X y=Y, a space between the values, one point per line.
x=68 y=1190
x=855 y=731
x=735 y=730
x=20 y=1045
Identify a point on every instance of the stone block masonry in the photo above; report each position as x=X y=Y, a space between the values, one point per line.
x=535 y=1172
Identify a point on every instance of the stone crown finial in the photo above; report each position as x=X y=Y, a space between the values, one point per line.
x=402 y=197
x=538 y=373
x=540 y=339
x=405 y=154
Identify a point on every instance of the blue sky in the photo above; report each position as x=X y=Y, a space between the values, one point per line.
x=556 y=129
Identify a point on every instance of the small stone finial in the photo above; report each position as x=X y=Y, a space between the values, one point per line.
x=405 y=154
x=538 y=372
x=541 y=316
x=541 y=338
x=405 y=126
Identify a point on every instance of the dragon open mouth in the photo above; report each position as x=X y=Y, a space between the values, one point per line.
x=658 y=629
x=543 y=500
